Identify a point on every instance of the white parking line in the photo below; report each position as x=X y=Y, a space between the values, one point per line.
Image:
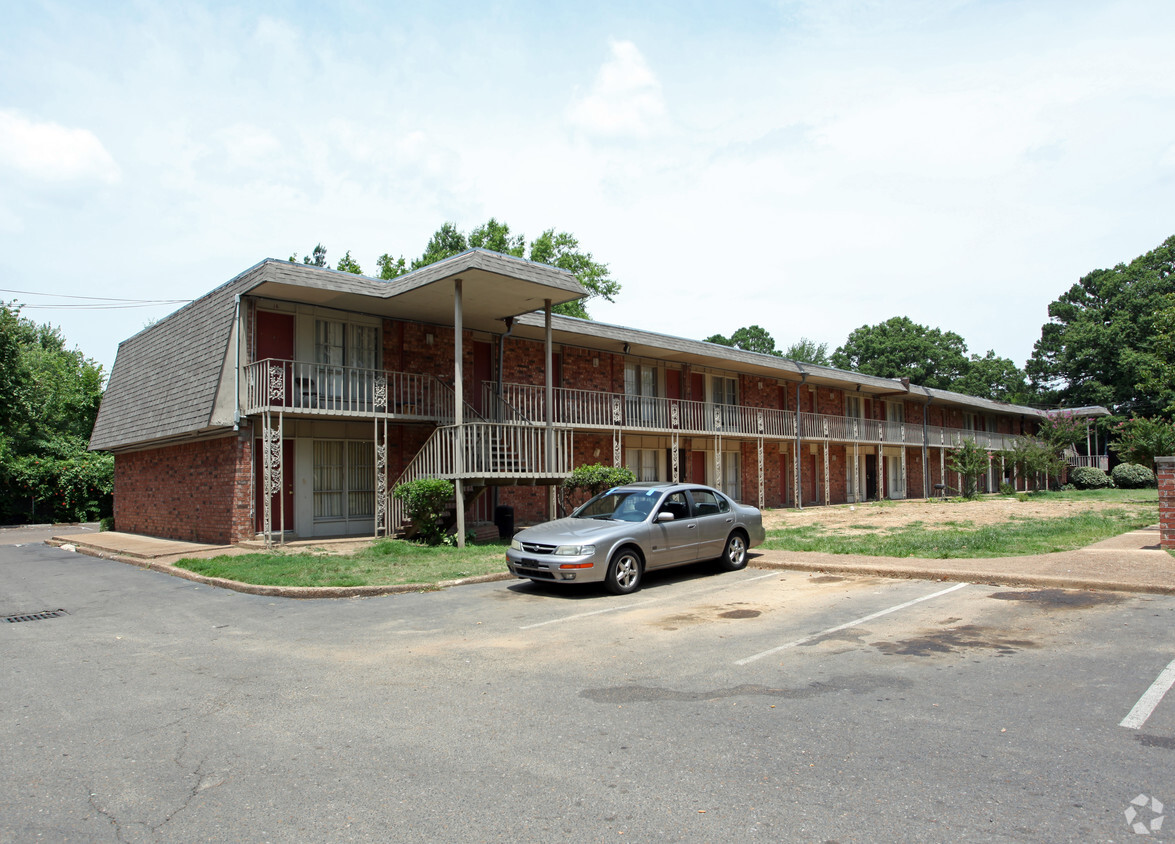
x=637 y=604
x=848 y=624
x=1150 y=699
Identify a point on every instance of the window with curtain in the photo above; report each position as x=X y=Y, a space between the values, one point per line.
x=344 y=480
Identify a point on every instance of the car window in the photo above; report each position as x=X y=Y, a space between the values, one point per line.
x=624 y=505
x=706 y=503
x=676 y=504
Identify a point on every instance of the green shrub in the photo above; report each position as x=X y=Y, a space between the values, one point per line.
x=1007 y=489
x=1132 y=476
x=425 y=501
x=106 y=523
x=597 y=477
x=1089 y=477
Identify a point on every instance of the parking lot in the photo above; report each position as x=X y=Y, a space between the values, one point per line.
x=707 y=707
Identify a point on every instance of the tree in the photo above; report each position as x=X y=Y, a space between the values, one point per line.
x=900 y=348
x=993 y=378
x=317 y=258
x=446 y=242
x=970 y=461
x=1103 y=343
x=562 y=250
x=556 y=249
x=1140 y=440
x=752 y=338
x=347 y=264
x=495 y=237
x=49 y=399
x=390 y=267
x=808 y=351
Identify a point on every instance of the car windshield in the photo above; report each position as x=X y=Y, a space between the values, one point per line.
x=621 y=505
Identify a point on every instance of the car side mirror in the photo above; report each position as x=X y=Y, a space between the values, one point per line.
x=664 y=516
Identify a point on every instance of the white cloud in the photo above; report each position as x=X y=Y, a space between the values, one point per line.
x=625 y=100
x=52 y=152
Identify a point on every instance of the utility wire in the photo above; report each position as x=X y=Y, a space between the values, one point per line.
x=117 y=301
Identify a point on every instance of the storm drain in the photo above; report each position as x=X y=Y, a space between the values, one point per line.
x=34 y=616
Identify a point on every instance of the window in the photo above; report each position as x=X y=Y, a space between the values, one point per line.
x=643 y=463
x=707 y=503
x=345 y=353
x=723 y=390
x=853 y=407
x=640 y=389
x=344 y=480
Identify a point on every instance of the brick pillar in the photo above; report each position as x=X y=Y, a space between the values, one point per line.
x=1165 y=473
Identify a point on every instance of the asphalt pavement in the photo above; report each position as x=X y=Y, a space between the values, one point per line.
x=755 y=705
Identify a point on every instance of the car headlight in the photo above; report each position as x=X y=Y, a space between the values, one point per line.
x=515 y=545
x=575 y=550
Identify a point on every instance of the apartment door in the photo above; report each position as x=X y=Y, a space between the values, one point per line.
x=281 y=506
x=483 y=357
x=275 y=340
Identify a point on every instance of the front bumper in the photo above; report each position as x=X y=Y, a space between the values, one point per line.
x=554 y=568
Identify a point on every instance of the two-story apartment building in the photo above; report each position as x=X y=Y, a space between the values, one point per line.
x=292 y=399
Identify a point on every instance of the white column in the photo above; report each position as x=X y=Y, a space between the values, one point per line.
x=550 y=414
x=458 y=410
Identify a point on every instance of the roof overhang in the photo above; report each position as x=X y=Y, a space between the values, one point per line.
x=493 y=286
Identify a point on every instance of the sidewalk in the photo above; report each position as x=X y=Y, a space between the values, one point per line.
x=1131 y=562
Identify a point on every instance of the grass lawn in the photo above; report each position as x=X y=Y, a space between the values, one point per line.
x=386 y=562
x=960 y=538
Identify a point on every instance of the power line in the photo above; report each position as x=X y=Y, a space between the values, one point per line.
x=93 y=299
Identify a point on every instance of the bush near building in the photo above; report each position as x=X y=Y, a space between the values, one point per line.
x=1132 y=476
x=1090 y=477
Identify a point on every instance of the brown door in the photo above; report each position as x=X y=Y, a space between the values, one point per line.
x=281 y=506
x=672 y=384
x=697 y=467
x=275 y=340
x=785 y=485
x=483 y=356
x=697 y=387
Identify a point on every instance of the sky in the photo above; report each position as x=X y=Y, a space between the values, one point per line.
x=808 y=166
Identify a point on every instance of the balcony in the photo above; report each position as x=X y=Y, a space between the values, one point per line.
x=587 y=409
x=315 y=389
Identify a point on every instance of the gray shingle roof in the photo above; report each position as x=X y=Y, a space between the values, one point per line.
x=164 y=379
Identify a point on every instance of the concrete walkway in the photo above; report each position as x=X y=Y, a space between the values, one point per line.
x=1131 y=562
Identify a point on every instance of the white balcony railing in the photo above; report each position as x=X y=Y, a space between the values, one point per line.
x=343 y=390
x=590 y=409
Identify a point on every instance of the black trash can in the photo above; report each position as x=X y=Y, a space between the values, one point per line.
x=504 y=519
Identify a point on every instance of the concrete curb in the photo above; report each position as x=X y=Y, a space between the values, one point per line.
x=964 y=576
x=300 y=592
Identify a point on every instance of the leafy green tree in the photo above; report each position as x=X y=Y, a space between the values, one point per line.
x=808 y=351
x=562 y=250
x=348 y=264
x=1104 y=345
x=597 y=477
x=900 y=348
x=752 y=338
x=1140 y=440
x=446 y=242
x=390 y=267
x=1033 y=458
x=496 y=237
x=995 y=378
x=49 y=397
x=970 y=461
x=317 y=258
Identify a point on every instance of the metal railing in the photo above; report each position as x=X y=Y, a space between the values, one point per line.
x=274 y=385
x=592 y=409
x=483 y=451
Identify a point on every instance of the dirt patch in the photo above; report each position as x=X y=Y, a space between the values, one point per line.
x=952 y=640
x=881 y=516
x=1059 y=598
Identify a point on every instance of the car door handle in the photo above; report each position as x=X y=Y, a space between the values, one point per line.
x=692 y=525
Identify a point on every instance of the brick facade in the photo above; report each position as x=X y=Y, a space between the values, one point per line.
x=195 y=491
x=1165 y=474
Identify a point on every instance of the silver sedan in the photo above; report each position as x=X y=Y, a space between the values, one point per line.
x=618 y=535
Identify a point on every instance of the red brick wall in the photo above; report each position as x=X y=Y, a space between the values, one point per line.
x=195 y=491
x=1165 y=474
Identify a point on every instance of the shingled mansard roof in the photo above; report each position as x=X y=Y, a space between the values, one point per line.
x=165 y=379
